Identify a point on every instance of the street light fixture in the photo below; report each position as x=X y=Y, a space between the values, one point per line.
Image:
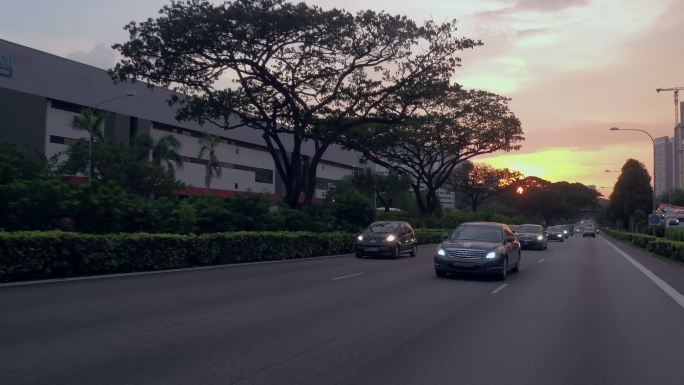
x=654 y=156
x=91 y=128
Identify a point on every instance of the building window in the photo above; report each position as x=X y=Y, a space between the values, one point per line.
x=63 y=140
x=236 y=186
x=66 y=106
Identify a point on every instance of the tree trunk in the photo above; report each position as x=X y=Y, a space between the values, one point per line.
x=311 y=173
x=419 y=198
x=385 y=203
x=432 y=200
x=207 y=179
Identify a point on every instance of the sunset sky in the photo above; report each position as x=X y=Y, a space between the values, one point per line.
x=573 y=68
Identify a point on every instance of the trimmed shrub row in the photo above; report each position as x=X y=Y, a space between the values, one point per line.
x=53 y=254
x=674 y=233
x=428 y=236
x=663 y=247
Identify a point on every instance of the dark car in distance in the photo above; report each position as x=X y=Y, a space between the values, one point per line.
x=589 y=231
x=555 y=233
x=387 y=239
x=532 y=237
x=479 y=247
x=571 y=230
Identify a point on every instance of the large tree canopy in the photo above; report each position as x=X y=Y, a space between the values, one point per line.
x=548 y=201
x=444 y=132
x=631 y=192
x=479 y=182
x=299 y=73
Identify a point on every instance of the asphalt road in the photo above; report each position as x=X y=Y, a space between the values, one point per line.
x=578 y=313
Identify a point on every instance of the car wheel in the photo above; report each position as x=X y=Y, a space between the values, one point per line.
x=546 y=246
x=414 y=250
x=397 y=253
x=504 y=271
x=562 y=240
x=516 y=268
x=440 y=273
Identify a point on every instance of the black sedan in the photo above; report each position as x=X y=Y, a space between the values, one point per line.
x=532 y=237
x=387 y=239
x=556 y=233
x=479 y=247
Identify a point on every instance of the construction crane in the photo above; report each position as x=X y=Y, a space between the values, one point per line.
x=675 y=90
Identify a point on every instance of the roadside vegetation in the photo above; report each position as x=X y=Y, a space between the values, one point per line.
x=372 y=82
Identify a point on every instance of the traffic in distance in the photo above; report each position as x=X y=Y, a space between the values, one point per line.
x=488 y=248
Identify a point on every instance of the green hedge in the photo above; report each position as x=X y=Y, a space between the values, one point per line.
x=663 y=247
x=674 y=233
x=428 y=236
x=52 y=254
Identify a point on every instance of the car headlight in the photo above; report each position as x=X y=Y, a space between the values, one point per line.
x=360 y=237
x=560 y=235
x=441 y=252
x=491 y=255
x=390 y=238
x=565 y=231
x=539 y=237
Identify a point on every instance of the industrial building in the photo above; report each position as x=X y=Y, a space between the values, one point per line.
x=40 y=93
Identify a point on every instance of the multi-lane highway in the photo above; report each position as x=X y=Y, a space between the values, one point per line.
x=578 y=313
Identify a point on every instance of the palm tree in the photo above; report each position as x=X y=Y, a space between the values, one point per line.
x=163 y=151
x=213 y=166
x=91 y=121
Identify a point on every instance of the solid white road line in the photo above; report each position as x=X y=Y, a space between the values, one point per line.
x=347 y=276
x=541 y=260
x=498 y=289
x=669 y=290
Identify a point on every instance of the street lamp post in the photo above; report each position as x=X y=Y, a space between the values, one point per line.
x=91 y=128
x=654 y=160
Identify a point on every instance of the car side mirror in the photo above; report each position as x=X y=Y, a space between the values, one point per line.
x=510 y=239
x=445 y=236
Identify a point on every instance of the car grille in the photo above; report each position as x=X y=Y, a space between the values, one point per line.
x=465 y=253
x=527 y=238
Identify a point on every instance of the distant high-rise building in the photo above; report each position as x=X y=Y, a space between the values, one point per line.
x=664 y=175
x=678 y=152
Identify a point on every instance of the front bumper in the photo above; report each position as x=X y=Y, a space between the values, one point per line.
x=532 y=244
x=376 y=249
x=556 y=237
x=456 y=265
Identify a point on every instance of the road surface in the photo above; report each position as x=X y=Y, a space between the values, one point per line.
x=577 y=313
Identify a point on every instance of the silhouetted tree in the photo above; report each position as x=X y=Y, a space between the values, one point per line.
x=631 y=192
x=301 y=74
x=479 y=182
x=446 y=131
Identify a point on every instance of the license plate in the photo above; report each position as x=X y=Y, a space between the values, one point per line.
x=463 y=264
x=371 y=249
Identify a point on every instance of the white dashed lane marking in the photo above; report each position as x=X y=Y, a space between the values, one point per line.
x=498 y=289
x=347 y=276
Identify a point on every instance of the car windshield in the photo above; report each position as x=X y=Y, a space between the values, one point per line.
x=530 y=229
x=477 y=233
x=555 y=228
x=383 y=227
